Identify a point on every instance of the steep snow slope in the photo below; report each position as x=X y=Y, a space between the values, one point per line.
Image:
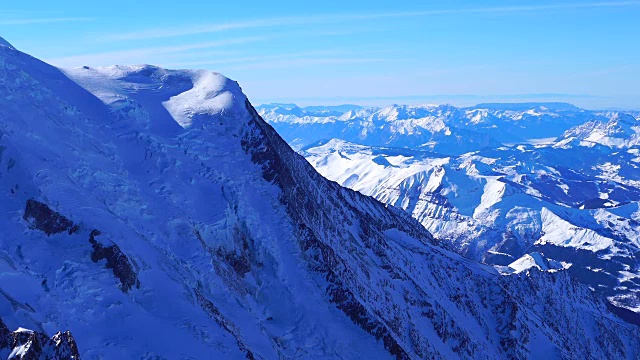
x=156 y=215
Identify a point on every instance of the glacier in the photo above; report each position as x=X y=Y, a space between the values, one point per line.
x=154 y=214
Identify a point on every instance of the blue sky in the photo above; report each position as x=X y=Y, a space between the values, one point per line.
x=364 y=52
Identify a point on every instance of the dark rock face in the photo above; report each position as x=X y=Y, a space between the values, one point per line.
x=303 y=209
x=117 y=261
x=41 y=217
x=224 y=323
x=319 y=255
x=241 y=259
x=32 y=345
x=70 y=349
x=5 y=336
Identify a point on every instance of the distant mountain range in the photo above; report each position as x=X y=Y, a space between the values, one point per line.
x=440 y=128
x=495 y=182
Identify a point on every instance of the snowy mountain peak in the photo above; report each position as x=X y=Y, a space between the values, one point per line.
x=536 y=260
x=4 y=42
x=618 y=131
x=212 y=94
x=187 y=95
x=549 y=106
x=28 y=344
x=405 y=112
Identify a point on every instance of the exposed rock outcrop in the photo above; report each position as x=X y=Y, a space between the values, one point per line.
x=41 y=217
x=26 y=344
x=117 y=261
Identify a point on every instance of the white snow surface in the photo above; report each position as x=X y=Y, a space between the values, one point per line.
x=562 y=233
x=538 y=261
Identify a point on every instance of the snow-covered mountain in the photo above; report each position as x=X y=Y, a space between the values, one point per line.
x=397 y=125
x=619 y=131
x=29 y=344
x=439 y=128
x=575 y=199
x=154 y=214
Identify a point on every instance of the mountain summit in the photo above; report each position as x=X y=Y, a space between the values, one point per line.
x=154 y=214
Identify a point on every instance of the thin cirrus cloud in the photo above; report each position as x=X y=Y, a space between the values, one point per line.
x=168 y=32
x=32 y=21
x=191 y=55
x=302 y=61
x=320 y=19
x=142 y=55
x=207 y=60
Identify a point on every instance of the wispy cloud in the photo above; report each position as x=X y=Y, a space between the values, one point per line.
x=209 y=61
x=31 y=21
x=516 y=8
x=200 y=29
x=142 y=55
x=166 y=32
x=284 y=60
x=303 y=61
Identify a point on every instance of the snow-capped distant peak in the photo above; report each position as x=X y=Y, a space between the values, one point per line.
x=21 y=329
x=536 y=260
x=619 y=131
